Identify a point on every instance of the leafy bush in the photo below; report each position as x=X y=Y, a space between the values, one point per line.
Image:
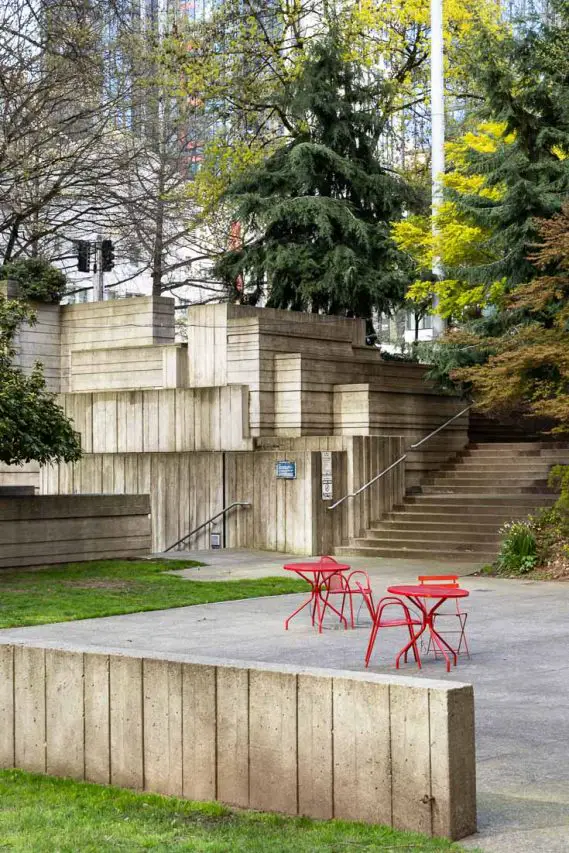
x=36 y=279
x=559 y=479
x=518 y=552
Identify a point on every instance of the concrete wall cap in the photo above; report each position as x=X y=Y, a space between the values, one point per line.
x=227 y=663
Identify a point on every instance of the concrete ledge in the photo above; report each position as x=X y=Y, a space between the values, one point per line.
x=323 y=743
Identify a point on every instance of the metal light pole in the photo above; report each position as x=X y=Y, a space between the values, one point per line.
x=437 y=135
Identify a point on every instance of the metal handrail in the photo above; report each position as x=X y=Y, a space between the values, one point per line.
x=401 y=459
x=205 y=524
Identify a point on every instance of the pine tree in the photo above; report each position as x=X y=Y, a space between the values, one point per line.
x=318 y=209
x=525 y=82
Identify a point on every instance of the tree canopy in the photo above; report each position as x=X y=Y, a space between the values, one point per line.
x=510 y=172
x=32 y=425
x=527 y=370
x=315 y=214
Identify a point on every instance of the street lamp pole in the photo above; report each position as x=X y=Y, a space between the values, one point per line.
x=437 y=135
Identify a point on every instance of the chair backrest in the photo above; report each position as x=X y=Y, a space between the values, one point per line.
x=336 y=583
x=439 y=580
x=368 y=598
x=361 y=578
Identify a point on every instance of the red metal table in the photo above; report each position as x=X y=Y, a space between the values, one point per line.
x=418 y=594
x=317 y=575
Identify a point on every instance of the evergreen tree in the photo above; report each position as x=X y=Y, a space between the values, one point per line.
x=524 y=80
x=318 y=209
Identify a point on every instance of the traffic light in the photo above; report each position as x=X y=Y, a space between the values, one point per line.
x=107 y=255
x=83 y=256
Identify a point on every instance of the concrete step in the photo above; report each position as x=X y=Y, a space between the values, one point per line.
x=553 y=456
x=485 y=489
x=436 y=544
x=499 y=446
x=465 y=504
x=478 y=524
x=417 y=553
x=444 y=521
x=450 y=535
x=463 y=479
x=528 y=463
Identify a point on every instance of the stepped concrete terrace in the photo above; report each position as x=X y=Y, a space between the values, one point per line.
x=457 y=514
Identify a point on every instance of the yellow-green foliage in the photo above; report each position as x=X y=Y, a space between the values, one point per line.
x=528 y=369
x=238 y=59
x=451 y=236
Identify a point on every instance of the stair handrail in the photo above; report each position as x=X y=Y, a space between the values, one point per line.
x=205 y=523
x=401 y=459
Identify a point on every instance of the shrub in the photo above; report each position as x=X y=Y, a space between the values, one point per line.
x=518 y=552
x=36 y=279
x=559 y=479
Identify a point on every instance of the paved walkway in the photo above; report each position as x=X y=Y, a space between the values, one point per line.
x=235 y=564
x=519 y=633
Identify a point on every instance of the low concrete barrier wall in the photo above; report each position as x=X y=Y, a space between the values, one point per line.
x=323 y=743
x=40 y=529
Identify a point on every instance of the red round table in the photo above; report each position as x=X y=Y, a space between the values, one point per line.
x=317 y=575
x=419 y=594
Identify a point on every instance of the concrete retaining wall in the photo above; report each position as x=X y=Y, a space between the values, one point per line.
x=322 y=743
x=47 y=529
x=187 y=489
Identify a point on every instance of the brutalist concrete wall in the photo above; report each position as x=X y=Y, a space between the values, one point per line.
x=44 y=529
x=323 y=743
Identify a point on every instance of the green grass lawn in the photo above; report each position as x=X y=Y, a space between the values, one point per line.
x=111 y=587
x=39 y=814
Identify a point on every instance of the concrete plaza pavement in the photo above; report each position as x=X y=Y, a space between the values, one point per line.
x=519 y=635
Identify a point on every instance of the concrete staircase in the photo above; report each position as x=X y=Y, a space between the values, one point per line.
x=456 y=515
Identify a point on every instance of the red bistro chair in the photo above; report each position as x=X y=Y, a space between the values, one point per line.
x=347 y=587
x=455 y=611
x=380 y=621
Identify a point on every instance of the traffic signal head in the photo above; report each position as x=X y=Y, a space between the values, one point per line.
x=107 y=255
x=83 y=256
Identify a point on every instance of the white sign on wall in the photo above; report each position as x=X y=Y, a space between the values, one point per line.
x=327 y=485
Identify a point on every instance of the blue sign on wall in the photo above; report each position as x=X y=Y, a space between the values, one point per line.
x=286 y=470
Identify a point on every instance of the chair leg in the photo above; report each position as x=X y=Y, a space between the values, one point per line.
x=351 y=609
x=462 y=619
x=416 y=654
x=371 y=643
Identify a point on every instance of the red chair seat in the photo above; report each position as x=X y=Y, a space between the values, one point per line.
x=397 y=623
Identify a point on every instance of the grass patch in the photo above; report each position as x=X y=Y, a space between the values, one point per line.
x=112 y=587
x=40 y=814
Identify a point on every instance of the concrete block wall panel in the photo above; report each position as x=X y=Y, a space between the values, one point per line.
x=167 y=420
x=140 y=321
x=207 y=345
x=117 y=369
x=27 y=474
x=185 y=489
x=63 y=528
x=411 y=415
x=281 y=516
x=41 y=342
x=323 y=743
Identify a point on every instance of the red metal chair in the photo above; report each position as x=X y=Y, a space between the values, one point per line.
x=380 y=622
x=456 y=611
x=347 y=587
